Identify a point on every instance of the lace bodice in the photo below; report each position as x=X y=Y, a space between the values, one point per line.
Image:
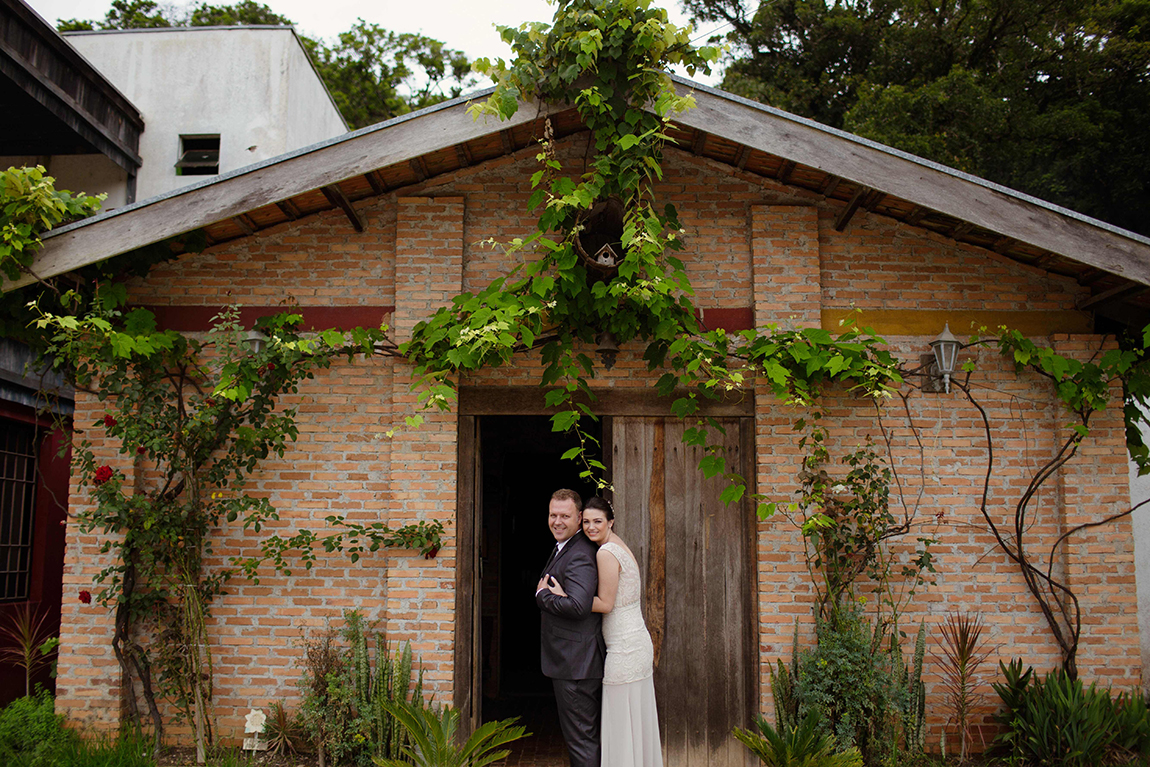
x=629 y=582
x=630 y=655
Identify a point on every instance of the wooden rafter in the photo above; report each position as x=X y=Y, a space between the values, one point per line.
x=852 y=207
x=420 y=167
x=1114 y=295
x=742 y=156
x=463 y=154
x=377 y=186
x=830 y=185
x=699 y=142
x=336 y=197
x=246 y=225
x=289 y=209
x=785 y=169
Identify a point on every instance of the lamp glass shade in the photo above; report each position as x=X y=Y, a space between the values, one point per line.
x=945 y=351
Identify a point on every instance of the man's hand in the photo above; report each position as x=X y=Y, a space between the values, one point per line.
x=542 y=584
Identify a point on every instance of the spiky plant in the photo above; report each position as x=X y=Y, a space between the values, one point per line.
x=802 y=746
x=27 y=642
x=963 y=653
x=433 y=741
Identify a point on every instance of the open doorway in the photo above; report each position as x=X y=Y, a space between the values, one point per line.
x=521 y=464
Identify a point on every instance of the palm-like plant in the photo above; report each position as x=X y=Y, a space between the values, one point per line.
x=802 y=746
x=27 y=642
x=963 y=653
x=433 y=739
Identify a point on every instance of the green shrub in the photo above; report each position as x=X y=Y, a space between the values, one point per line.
x=30 y=732
x=850 y=683
x=347 y=688
x=801 y=746
x=1058 y=721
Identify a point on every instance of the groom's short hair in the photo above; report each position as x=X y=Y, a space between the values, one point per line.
x=563 y=494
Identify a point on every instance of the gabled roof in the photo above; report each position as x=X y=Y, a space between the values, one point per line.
x=853 y=172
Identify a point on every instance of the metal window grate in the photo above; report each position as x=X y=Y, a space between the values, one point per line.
x=17 y=508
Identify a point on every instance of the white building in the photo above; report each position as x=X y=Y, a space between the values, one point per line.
x=213 y=99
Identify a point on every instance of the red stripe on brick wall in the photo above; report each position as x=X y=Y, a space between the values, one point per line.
x=192 y=318
x=740 y=318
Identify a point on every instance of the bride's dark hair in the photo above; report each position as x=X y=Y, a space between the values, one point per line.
x=602 y=505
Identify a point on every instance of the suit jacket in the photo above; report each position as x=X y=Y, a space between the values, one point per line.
x=572 y=637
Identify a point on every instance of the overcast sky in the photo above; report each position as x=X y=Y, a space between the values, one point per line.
x=463 y=24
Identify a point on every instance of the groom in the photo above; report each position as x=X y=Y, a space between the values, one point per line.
x=572 y=643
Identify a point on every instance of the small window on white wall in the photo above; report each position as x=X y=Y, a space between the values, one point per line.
x=199 y=156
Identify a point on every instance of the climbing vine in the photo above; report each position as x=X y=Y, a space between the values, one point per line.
x=193 y=419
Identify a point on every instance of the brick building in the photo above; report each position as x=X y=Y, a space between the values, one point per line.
x=787 y=222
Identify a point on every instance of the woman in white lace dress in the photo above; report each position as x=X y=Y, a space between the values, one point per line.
x=630 y=723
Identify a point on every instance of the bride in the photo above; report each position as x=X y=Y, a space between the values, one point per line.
x=630 y=729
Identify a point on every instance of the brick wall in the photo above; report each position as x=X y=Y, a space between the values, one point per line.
x=751 y=244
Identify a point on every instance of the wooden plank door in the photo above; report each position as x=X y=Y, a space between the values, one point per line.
x=697 y=559
x=468 y=698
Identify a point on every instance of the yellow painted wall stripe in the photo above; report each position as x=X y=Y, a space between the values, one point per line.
x=929 y=322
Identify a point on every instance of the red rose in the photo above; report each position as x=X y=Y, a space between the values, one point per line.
x=86 y=597
x=271 y=366
x=109 y=421
x=431 y=553
x=103 y=474
x=141 y=450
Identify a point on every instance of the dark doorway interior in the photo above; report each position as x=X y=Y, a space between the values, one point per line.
x=521 y=463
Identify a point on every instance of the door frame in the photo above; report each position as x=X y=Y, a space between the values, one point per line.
x=475 y=401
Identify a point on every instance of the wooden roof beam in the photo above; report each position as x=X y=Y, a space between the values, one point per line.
x=420 y=167
x=830 y=185
x=852 y=207
x=959 y=231
x=507 y=140
x=742 y=156
x=916 y=215
x=698 y=142
x=289 y=209
x=245 y=224
x=374 y=182
x=785 y=171
x=463 y=154
x=1113 y=296
x=336 y=197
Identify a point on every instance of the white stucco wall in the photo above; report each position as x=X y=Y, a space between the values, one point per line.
x=1140 y=491
x=91 y=173
x=254 y=86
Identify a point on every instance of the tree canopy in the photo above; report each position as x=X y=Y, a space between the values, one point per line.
x=1044 y=96
x=372 y=73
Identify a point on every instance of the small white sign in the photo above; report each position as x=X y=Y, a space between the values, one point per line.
x=255 y=744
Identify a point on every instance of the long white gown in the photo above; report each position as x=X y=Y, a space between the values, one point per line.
x=630 y=724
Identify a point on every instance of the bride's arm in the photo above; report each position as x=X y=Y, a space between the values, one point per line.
x=608 y=582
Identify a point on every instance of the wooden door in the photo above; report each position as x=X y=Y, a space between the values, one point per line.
x=697 y=559
x=468 y=515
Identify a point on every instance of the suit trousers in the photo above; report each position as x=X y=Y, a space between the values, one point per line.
x=580 y=705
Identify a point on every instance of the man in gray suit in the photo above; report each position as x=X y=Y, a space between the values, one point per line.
x=572 y=646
